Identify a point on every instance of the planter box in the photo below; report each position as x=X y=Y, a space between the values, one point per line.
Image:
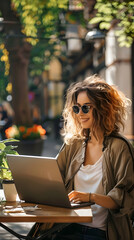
x=30 y=147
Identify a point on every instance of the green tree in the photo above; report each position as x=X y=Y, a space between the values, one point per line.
x=29 y=22
x=119 y=13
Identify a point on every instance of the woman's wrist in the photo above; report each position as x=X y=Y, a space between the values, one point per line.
x=92 y=197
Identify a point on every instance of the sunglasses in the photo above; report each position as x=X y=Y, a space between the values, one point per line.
x=85 y=109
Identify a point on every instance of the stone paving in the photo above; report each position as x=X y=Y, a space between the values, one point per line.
x=51 y=148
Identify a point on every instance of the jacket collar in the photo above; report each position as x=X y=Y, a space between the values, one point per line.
x=76 y=163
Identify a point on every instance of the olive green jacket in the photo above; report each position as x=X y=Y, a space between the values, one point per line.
x=118 y=180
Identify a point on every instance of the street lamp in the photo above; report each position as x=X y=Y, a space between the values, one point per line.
x=94 y=35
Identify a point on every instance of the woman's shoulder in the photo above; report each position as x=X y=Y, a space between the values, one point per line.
x=76 y=143
x=74 y=146
x=118 y=141
x=67 y=152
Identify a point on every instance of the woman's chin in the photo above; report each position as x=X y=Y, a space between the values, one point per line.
x=85 y=125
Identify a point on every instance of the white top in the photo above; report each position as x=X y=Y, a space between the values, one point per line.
x=89 y=179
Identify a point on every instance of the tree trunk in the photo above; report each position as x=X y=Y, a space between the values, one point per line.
x=19 y=60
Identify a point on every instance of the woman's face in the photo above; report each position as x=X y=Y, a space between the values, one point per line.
x=85 y=119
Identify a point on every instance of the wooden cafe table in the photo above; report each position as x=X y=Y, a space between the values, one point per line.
x=27 y=212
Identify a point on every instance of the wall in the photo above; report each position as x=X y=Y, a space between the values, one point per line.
x=118 y=70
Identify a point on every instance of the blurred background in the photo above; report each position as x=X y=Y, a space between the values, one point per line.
x=46 y=45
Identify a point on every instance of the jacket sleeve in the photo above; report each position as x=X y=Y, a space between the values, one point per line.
x=61 y=159
x=123 y=173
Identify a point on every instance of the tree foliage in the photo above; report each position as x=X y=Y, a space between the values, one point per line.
x=40 y=18
x=120 y=13
x=41 y=26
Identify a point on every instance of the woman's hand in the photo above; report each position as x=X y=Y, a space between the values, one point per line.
x=77 y=197
x=102 y=200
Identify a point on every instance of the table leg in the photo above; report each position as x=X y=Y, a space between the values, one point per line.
x=48 y=234
x=19 y=236
x=56 y=228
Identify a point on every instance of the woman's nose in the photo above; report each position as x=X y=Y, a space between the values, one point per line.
x=80 y=111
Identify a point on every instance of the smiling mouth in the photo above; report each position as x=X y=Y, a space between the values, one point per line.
x=84 y=120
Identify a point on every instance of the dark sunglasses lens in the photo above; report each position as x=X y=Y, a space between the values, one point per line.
x=85 y=108
x=76 y=109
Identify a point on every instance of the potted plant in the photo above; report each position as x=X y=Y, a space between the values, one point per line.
x=6 y=179
x=31 y=138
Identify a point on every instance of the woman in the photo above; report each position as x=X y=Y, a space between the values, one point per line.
x=96 y=162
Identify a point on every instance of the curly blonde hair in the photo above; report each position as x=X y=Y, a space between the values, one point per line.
x=109 y=108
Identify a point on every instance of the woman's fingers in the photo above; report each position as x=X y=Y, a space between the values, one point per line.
x=73 y=195
x=77 y=196
x=76 y=201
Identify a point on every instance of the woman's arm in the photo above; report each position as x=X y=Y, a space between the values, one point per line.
x=102 y=200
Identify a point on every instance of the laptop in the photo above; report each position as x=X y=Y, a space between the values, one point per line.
x=38 y=180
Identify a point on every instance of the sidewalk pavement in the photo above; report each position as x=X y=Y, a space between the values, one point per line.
x=51 y=149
